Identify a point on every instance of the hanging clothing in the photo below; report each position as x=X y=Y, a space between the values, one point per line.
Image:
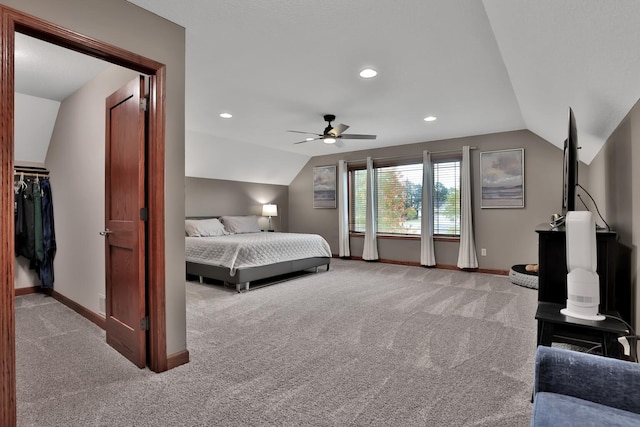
x=26 y=239
x=18 y=216
x=34 y=226
x=48 y=235
x=37 y=205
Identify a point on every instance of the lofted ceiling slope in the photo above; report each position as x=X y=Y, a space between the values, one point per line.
x=480 y=67
x=45 y=74
x=582 y=54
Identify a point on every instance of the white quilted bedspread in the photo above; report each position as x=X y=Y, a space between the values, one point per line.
x=254 y=249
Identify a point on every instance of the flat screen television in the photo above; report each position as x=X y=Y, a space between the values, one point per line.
x=570 y=169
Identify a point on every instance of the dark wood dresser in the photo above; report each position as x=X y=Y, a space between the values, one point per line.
x=552 y=273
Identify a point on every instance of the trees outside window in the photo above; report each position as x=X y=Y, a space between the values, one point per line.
x=398 y=198
x=446 y=211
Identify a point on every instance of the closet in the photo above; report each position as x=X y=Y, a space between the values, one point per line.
x=34 y=226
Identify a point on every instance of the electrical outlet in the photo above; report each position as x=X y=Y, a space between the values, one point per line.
x=483 y=252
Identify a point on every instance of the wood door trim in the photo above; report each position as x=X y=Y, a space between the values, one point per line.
x=95 y=318
x=11 y=21
x=7 y=303
x=155 y=227
x=27 y=291
x=177 y=359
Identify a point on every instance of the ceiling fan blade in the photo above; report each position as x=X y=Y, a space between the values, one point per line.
x=338 y=129
x=307 y=140
x=339 y=143
x=356 y=136
x=308 y=133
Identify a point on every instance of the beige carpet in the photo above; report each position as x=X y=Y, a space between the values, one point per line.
x=365 y=344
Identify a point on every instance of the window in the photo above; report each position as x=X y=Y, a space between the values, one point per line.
x=446 y=197
x=398 y=198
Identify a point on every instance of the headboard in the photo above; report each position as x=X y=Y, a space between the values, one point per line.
x=201 y=217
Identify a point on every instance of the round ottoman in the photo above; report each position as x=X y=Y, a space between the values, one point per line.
x=520 y=276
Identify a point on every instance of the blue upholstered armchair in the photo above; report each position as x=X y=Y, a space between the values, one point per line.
x=579 y=389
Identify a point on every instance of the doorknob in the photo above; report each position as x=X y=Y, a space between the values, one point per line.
x=105 y=233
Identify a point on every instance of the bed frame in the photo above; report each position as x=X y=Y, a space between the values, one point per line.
x=244 y=276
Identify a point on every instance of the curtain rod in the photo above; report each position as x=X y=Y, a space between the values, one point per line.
x=409 y=156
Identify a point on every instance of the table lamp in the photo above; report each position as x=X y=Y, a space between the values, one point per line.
x=270 y=210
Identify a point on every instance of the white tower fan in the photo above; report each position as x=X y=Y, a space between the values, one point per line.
x=583 y=283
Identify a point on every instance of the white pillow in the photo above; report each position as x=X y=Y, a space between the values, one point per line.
x=241 y=224
x=204 y=227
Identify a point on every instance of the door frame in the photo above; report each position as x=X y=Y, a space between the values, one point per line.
x=12 y=21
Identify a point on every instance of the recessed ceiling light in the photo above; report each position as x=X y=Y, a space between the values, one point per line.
x=368 y=73
x=430 y=118
x=310 y=139
x=226 y=115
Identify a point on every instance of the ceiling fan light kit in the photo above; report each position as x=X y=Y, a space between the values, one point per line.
x=368 y=73
x=331 y=134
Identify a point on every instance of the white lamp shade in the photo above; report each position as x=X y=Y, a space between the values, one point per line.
x=269 y=210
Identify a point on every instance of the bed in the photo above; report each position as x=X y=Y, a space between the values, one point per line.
x=232 y=249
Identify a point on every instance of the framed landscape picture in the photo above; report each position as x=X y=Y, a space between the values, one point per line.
x=324 y=186
x=502 y=177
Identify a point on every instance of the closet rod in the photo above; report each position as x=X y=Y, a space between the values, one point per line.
x=32 y=174
x=409 y=156
x=30 y=171
x=30 y=168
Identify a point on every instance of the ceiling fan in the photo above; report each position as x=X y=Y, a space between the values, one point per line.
x=332 y=135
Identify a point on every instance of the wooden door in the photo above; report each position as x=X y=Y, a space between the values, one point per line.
x=124 y=222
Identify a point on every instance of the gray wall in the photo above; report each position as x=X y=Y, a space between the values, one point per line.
x=127 y=26
x=215 y=197
x=507 y=234
x=75 y=160
x=615 y=186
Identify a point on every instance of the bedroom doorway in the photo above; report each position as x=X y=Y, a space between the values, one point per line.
x=12 y=21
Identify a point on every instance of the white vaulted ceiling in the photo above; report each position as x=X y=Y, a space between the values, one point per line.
x=479 y=66
x=561 y=53
x=45 y=74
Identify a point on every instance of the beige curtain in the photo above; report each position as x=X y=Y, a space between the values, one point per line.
x=467 y=254
x=427 y=252
x=370 y=251
x=343 y=210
